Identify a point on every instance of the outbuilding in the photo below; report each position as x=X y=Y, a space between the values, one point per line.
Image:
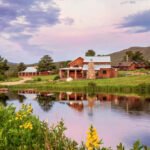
x=32 y=71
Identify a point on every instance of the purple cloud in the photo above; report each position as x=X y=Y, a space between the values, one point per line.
x=139 y=22
x=35 y=18
x=19 y=19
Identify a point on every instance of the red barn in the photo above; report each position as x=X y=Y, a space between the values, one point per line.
x=129 y=66
x=32 y=71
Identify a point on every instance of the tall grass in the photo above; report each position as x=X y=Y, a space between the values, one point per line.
x=133 y=84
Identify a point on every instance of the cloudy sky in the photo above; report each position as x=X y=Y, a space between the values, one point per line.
x=65 y=29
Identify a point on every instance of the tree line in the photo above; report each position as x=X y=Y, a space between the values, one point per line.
x=136 y=57
x=45 y=64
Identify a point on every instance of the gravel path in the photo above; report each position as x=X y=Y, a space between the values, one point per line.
x=16 y=82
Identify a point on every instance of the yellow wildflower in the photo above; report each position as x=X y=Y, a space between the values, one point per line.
x=92 y=142
x=28 y=125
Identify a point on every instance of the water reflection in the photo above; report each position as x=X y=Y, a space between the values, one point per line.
x=130 y=104
x=126 y=117
x=45 y=101
x=3 y=98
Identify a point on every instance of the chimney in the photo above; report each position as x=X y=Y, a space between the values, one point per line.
x=127 y=58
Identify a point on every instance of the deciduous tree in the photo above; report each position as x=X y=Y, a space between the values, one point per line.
x=90 y=53
x=3 y=65
x=134 y=56
x=21 y=67
x=46 y=64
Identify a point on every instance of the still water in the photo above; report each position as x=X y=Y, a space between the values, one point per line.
x=117 y=118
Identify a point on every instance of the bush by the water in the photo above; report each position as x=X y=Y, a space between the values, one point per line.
x=56 y=78
x=23 y=131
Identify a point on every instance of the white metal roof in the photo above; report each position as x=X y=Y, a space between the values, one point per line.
x=71 y=68
x=30 y=69
x=97 y=59
x=97 y=67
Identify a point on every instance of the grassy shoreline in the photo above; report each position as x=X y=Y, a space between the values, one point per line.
x=130 y=84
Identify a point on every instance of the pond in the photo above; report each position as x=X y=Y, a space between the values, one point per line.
x=118 y=118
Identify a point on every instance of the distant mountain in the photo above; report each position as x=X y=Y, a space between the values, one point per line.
x=118 y=56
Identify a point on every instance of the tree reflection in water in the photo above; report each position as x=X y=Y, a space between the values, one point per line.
x=3 y=99
x=21 y=98
x=46 y=102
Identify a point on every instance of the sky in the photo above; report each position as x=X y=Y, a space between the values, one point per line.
x=66 y=29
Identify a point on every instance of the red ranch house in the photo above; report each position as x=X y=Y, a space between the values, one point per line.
x=32 y=71
x=129 y=66
x=89 y=68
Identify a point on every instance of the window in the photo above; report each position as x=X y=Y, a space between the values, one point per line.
x=104 y=72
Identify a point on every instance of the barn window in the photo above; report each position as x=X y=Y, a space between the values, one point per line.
x=104 y=72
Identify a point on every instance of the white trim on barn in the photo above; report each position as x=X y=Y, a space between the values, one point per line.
x=99 y=59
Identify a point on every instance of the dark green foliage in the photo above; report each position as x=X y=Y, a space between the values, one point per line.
x=138 y=56
x=143 y=88
x=120 y=147
x=138 y=146
x=56 y=78
x=40 y=137
x=21 y=67
x=147 y=63
x=92 y=84
x=57 y=140
x=2 y=77
x=11 y=73
x=134 y=56
x=63 y=64
x=46 y=64
x=38 y=79
x=3 y=65
x=46 y=102
x=90 y=53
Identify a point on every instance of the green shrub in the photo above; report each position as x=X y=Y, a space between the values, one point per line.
x=38 y=79
x=56 y=78
x=2 y=77
x=92 y=84
x=23 y=131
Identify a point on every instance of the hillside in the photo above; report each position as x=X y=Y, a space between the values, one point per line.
x=118 y=56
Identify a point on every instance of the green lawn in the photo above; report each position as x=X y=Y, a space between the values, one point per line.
x=130 y=73
x=12 y=79
x=129 y=84
x=45 y=78
x=120 y=81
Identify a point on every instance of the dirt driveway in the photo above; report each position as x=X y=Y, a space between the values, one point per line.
x=16 y=82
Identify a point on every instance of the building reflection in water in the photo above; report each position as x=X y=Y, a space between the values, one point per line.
x=79 y=101
x=44 y=99
x=130 y=104
x=126 y=117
